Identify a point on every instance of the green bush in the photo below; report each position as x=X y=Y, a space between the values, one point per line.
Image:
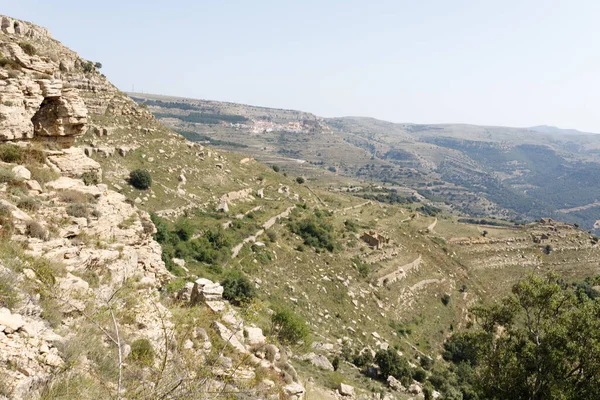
x=142 y=352
x=315 y=231
x=275 y=168
x=391 y=363
x=289 y=327
x=300 y=180
x=140 y=179
x=10 y=153
x=445 y=299
x=336 y=363
x=237 y=288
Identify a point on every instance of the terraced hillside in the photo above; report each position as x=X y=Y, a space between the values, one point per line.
x=223 y=277
x=507 y=172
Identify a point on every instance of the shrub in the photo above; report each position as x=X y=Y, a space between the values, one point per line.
x=90 y=178
x=35 y=230
x=10 y=153
x=272 y=235
x=43 y=175
x=316 y=232
x=275 y=168
x=363 y=359
x=28 y=203
x=290 y=327
x=77 y=210
x=87 y=66
x=300 y=180
x=28 y=48
x=336 y=363
x=237 y=288
x=140 y=179
x=7 y=176
x=142 y=352
x=184 y=229
x=9 y=292
x=445 y=299
x=73 y=196
x=390 y=363
x=7 y=226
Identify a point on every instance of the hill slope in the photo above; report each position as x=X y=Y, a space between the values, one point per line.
x=104 y=289
x=507 y=172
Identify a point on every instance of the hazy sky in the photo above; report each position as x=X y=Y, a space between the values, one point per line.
x=504 y=62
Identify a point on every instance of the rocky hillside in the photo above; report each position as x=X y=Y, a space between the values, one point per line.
x=514 y=173
x=221 y=277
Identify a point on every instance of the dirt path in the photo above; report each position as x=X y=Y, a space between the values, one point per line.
x=252 y=238
x=422 y=283
x=400 y=273
x=356 y=206
x=431 y=226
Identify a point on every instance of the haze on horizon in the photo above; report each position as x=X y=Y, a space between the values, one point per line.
x=509 y=63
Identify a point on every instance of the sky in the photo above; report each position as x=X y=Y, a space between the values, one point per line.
x=509 y=63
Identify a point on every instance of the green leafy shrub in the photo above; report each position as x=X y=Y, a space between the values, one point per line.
x=300 y=180
x=275 y=168
x=289 y=327
x=10 y=153
x=445 y=299
x=315 y=231
x=237 y=288
x=391 y=363
x=142 y=352
x=336 y=363
x=140 y=179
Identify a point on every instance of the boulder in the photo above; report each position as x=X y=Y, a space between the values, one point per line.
x=21 y=173
x=254 y=336
x=395 y=384
x=320 y=361
x=74 y=163
x=346 y=390
x=415 y=389
x=10 y=322
x=294 y=391
x=206 y=290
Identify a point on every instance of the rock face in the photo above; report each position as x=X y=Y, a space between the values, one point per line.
x=33 y=102
x=46 y=90
x=73 y=163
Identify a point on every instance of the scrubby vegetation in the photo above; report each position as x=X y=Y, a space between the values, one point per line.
x=140 y=179
x=316 y=230
x=289 y=326
x=237 y=288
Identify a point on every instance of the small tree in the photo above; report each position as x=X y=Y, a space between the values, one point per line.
x=140 y=179
x=290 y=327
x=390 y=363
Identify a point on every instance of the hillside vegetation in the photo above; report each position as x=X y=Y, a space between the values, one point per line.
x=137 y=264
